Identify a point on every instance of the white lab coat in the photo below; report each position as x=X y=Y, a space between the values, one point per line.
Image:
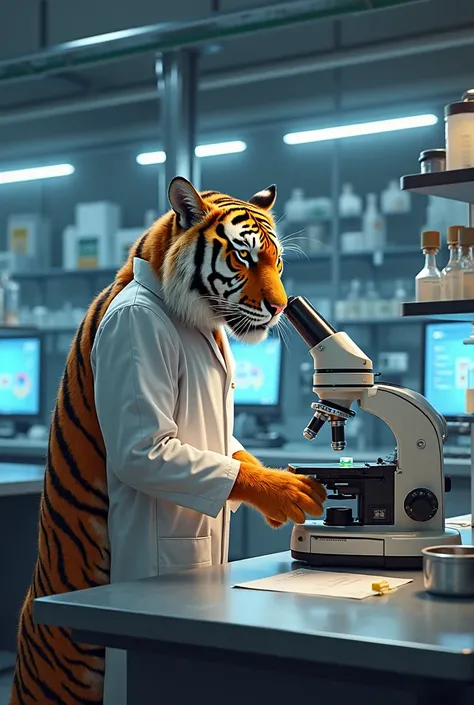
x=164 y=400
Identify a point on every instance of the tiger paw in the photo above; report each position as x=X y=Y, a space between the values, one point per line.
x=280 y=496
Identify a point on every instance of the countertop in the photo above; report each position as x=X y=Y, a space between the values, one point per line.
x=20 y=478
x=407 y=632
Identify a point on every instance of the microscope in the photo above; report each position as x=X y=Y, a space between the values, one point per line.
x=399 y=499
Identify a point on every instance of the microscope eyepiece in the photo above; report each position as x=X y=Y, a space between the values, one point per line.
x=312 y=327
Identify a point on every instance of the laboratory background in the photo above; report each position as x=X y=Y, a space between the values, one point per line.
x=335 y=109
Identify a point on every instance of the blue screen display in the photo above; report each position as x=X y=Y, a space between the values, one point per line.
x=257 y=380
x=449 y=365
x=20 y=370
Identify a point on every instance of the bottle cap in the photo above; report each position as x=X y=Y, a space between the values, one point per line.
x=466 y=237
x=468 y=95
x=430 y=239
x=453 y=234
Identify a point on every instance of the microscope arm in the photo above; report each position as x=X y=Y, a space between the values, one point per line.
x=420 y=433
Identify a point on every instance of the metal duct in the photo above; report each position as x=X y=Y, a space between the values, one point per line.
x=277 y=70
x=87 y=52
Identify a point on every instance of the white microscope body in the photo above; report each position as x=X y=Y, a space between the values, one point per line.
x=400 y=501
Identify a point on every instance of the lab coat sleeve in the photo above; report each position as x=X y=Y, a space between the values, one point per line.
x=235 y=446
x=136 y=391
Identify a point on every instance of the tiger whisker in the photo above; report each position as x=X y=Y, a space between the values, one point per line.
x=286 y=237
x=283 y=332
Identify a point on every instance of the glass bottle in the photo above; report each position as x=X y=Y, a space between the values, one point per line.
x=466 y=241
x=451 y=276
x=428 y=281
x=373 y=225
x=371 y=301
x=400 y=295
x=354 y=300
x=10 y=300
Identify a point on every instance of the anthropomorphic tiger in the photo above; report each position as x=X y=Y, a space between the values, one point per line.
x=218 y=261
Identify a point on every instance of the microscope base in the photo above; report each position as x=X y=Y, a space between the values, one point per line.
x=364 y=547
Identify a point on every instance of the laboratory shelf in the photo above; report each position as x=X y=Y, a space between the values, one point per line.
x=381 y=321
x=290 y=258
x=295 y=258
x=57 y=272
x=390 y=251
x=457 y=185
x=377 y=255
x=447 y=310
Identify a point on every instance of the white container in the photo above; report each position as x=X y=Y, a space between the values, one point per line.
x=313 y=242
x=459 y=132
x=352 y=242
x=123 y=241
x=395 y=201
x=29 y=241
x=89 y=244
x=100 y=218
x=318 y=209
x=296 y=208
x=86 y=250
x=350 y=205
x=373 y=225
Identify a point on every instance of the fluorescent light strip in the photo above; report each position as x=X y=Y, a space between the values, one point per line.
x=215 y=150
x=151 y=158
x=35 y=173
x=202 y=150
x=364 y=128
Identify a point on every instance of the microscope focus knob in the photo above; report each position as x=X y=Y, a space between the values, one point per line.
x=421 y=504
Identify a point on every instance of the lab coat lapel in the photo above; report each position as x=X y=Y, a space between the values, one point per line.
x=145 y=276
x=215 y=348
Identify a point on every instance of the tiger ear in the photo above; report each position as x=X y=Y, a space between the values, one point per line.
x=186 y=202
x=265 y=199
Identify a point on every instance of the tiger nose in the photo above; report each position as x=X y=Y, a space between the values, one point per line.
x=274 y=309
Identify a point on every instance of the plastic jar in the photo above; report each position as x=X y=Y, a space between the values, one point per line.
x=459 y=130
x=432 y=160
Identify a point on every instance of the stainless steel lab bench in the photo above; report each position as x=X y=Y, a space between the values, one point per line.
x=191 y=637
x=21 y=484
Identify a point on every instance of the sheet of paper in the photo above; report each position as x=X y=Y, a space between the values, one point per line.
x=462 y=522
x=304 y=581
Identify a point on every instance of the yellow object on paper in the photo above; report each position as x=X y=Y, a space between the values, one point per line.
x=322 y=583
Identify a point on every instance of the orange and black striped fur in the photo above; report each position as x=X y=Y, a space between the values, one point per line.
x=219 y=261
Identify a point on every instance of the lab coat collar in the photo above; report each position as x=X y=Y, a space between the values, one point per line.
x=144 y=275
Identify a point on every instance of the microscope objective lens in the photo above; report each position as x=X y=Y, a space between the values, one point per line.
x=314 y=426
x=338 y=435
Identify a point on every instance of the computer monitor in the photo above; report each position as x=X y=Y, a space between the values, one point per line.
x=21 y=376
x=447 y=363
x=258 y=377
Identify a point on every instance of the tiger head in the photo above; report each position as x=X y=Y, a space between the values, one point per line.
x=223 y=265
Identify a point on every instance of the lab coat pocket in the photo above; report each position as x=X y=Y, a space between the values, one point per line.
x=177 y=554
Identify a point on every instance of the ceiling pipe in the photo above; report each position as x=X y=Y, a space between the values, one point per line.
x=276 y=70
x=115 y=46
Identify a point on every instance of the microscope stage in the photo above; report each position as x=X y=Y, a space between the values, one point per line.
x=359 y=468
